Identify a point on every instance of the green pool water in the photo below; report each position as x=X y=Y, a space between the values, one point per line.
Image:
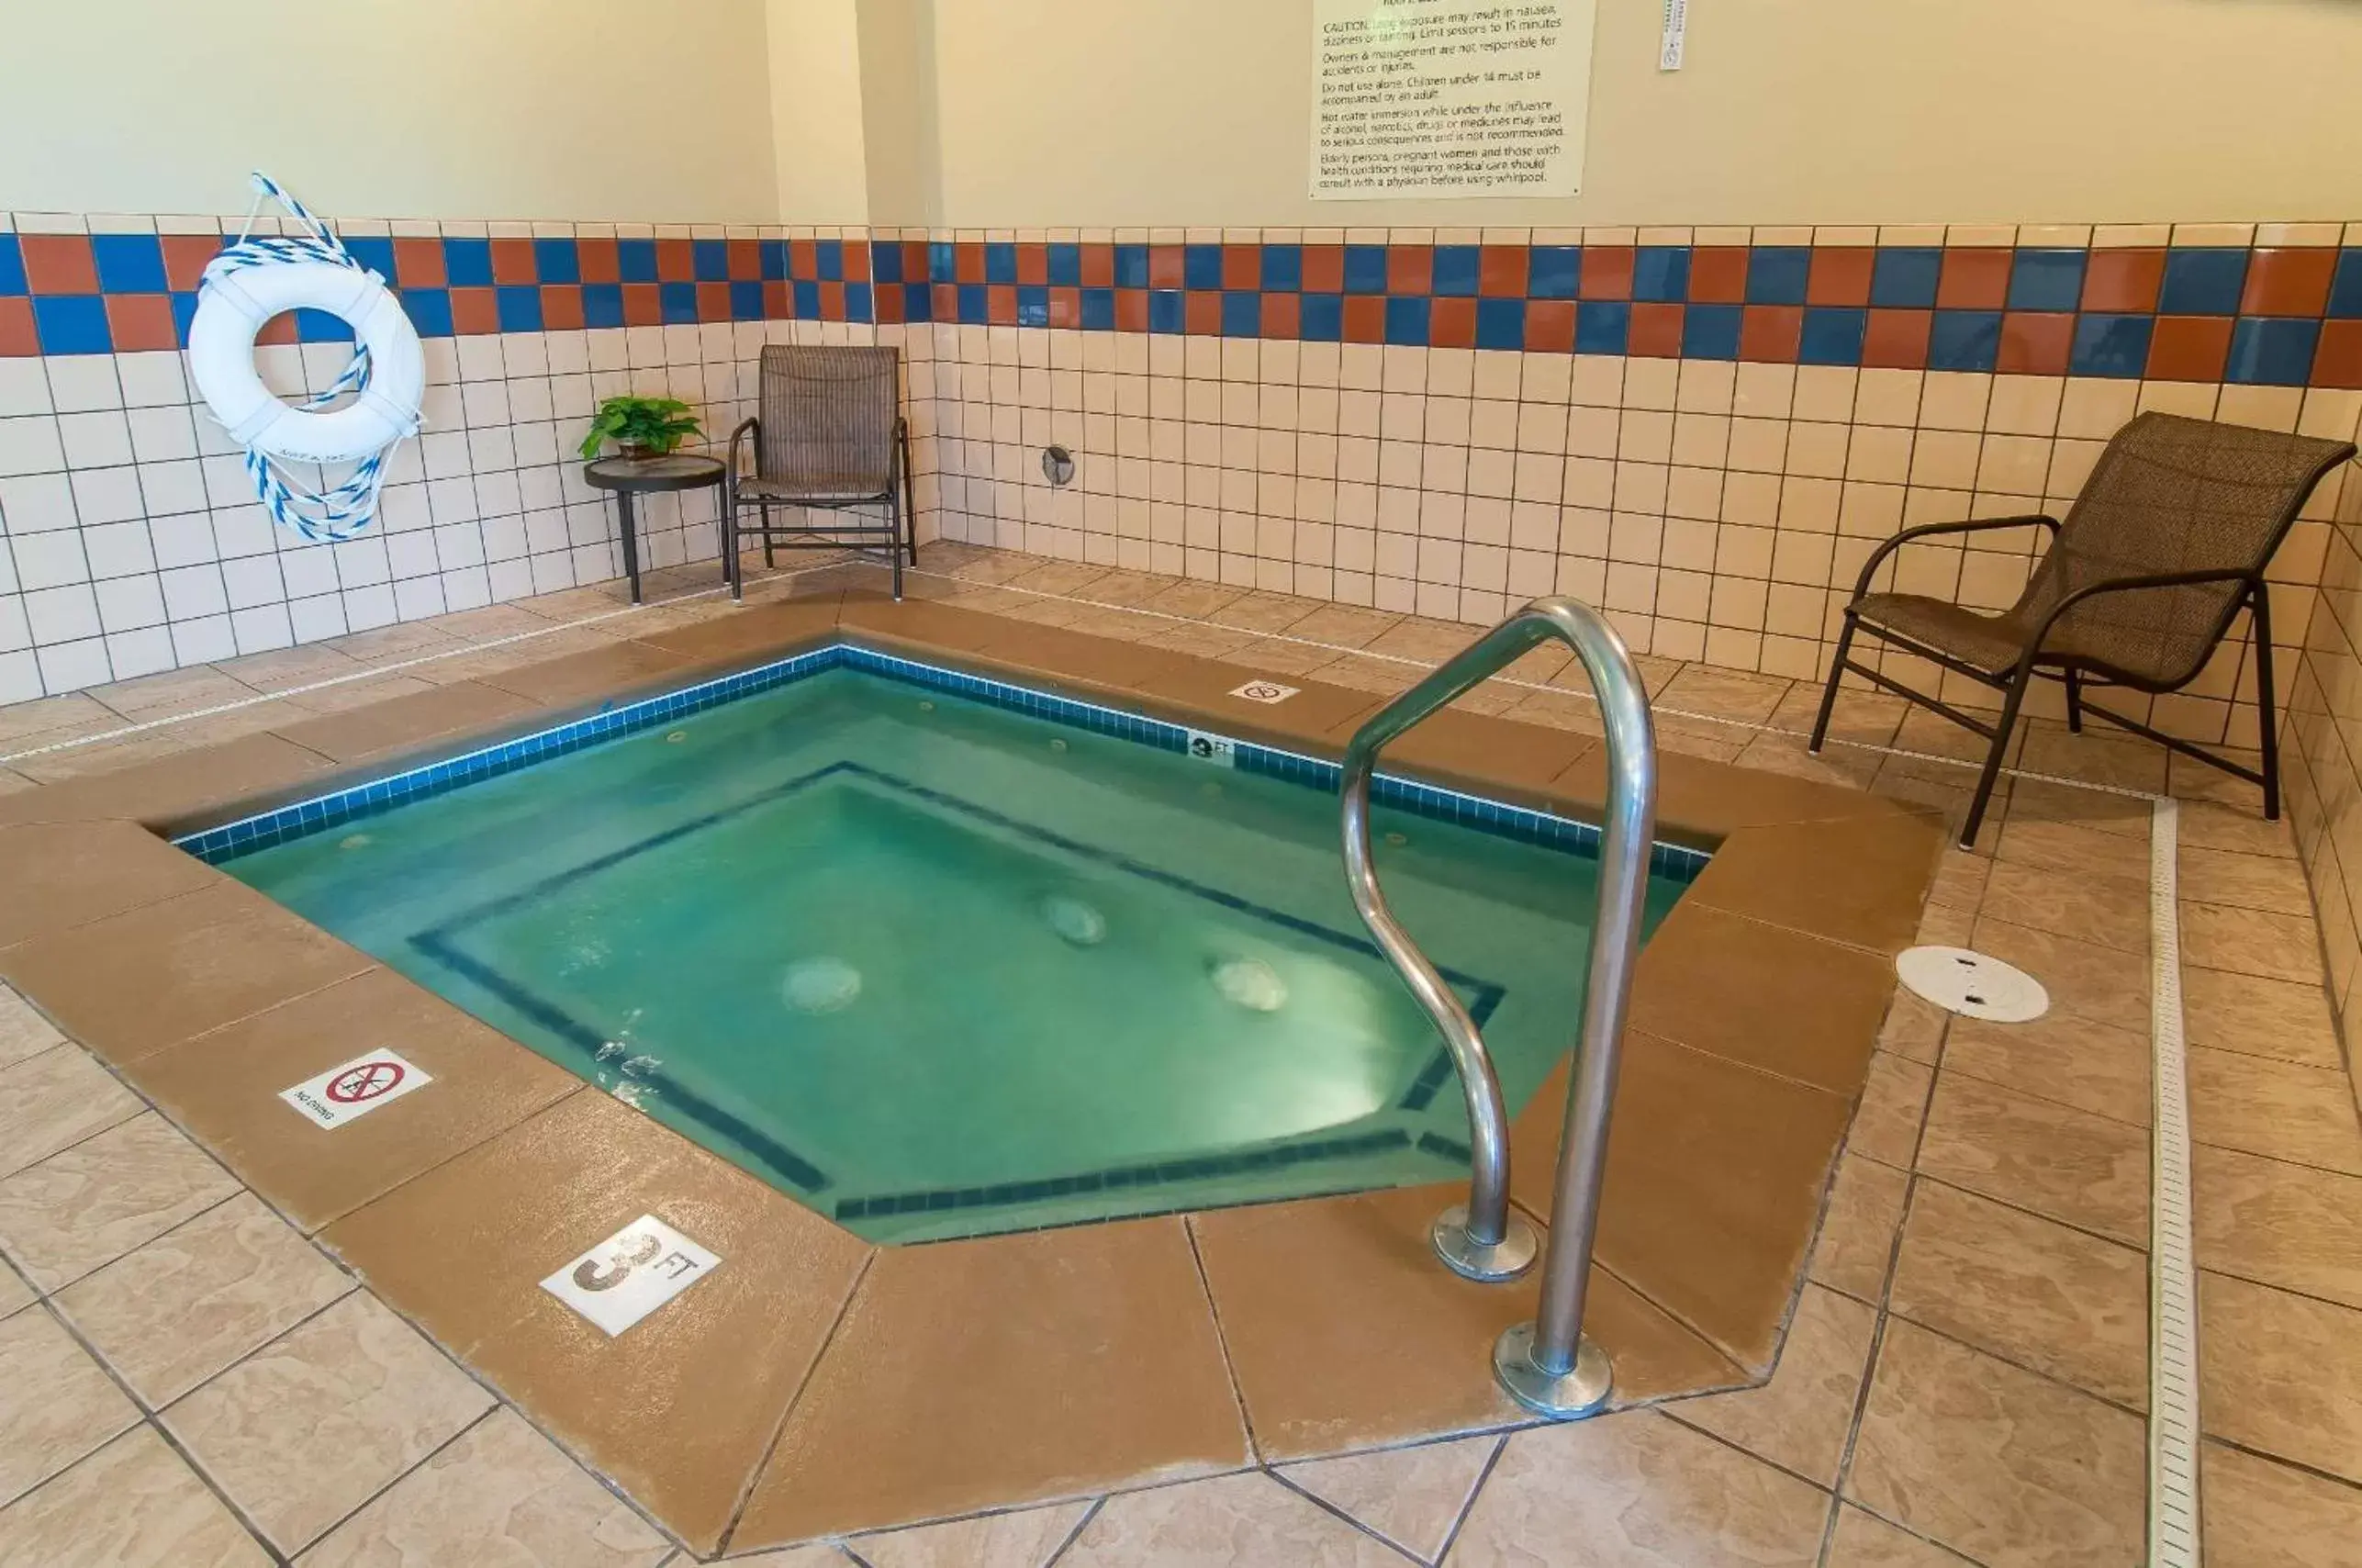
x=938 y=968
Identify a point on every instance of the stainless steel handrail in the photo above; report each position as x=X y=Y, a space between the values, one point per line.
x=1546 y=1365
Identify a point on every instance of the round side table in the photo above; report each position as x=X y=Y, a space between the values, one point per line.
x=629 y=477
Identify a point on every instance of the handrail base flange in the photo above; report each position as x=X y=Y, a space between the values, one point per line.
x=1486 y=1264
x=1580 y=1391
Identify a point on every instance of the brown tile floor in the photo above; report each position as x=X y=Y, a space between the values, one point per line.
x=184 y=1380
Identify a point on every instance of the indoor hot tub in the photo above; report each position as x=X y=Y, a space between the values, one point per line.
x=940 y=956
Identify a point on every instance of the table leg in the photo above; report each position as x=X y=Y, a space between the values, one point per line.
x=630 y=542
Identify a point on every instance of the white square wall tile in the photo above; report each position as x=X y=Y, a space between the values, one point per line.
x=170 y=487
x=143 y=652
x=84 y=381
x=151 y=380
x=107 y=495
x=70 y=666
x=36 y=503
x=24 y=387
x=128 y=604
x=161 y=434
x=20 y=678
x=29 y=445
x=97 y=439
x=261 y=629
x=192 y=592
x=14 y=633
x=203 y=640
x=117 y=549
x=49 y=560
x=317 y=617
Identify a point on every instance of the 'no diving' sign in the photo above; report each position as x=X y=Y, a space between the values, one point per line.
x=354 y=1087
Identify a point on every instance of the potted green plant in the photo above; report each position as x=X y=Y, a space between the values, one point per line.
x=642 y=427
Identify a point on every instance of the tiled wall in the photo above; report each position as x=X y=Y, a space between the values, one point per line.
x=2325 y=762
x=131 y=540
x=1704 y=431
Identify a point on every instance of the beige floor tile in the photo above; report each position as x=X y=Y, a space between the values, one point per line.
x=2268 y=882
x=1723 y=693
x=1637 y=1491
x=1413 y=1496
x=1960 y=879
x=1028 y=1537
x=2281 y=1373
x=1865 y=1540
x=1894 y=1105
x=2005 y=1466
x=2074 y=849
x=88 y=1206
x=2301 y=1113
x=2106 y=984
x=24 y=1033
x=2110 y=911
x=2027 y=1290
x=2092 y=1067
x=1113 y=1374
x=2240 y=829
x=2258 y=1017
x=131 y=1505
x=2283 y=1225
x=1857 y=1233
x=1915 y=1027
x=304 y=1430
x=1801 y=1418
x=2251 y=942
x=14 y=1292
x=501 y=1495
x=2074 y=1167
x=2261 y=1514
x=54 y=1100
x=819 y=1556
x=1234 y=1521
x=191 y=1302
x=56 y=1405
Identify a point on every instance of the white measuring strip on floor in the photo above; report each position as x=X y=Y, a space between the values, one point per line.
x=2174 y=1540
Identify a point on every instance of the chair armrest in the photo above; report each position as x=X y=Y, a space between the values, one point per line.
x=1877 y=557
x=749 y=426
x=2132 y=585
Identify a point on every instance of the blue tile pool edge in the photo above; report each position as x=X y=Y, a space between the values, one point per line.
x=278 y=826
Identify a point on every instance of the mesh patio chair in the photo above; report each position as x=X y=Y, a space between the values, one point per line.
x=828 y=434
x=2166 y=545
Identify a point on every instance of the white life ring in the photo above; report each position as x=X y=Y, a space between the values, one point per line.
x=232 y=308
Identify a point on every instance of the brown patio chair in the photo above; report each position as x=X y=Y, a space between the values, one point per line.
x=2153 y=564
x=827 y=434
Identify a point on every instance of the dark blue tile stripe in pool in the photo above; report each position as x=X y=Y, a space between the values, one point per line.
x=264 y=829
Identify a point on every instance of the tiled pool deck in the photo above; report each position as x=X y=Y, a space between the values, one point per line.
x=185 y=1378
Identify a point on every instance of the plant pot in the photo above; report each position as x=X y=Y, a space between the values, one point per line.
x=636 y=452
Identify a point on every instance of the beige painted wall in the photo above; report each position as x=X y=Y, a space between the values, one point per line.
x=819 y=146
x=1789 y=111
x=581 y=109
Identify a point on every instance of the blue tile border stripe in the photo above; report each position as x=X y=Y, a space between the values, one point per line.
x=281 y=824
x=2160 y=312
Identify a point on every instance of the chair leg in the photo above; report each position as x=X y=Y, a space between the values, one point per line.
x=730 y=572
x=1992 y=774
x=894 y=549
x=1828 y=693
x=2074 y=701
x=2268 y=713
x=770 y=554
x=910 y=500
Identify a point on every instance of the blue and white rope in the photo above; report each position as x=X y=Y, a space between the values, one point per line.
x=345 y=509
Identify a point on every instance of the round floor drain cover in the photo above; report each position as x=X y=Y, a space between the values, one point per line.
x=1974 y=985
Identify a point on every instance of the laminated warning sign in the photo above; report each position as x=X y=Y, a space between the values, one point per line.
x=355 y=1088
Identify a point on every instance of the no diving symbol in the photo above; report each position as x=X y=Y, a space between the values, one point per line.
x=367 y=1082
